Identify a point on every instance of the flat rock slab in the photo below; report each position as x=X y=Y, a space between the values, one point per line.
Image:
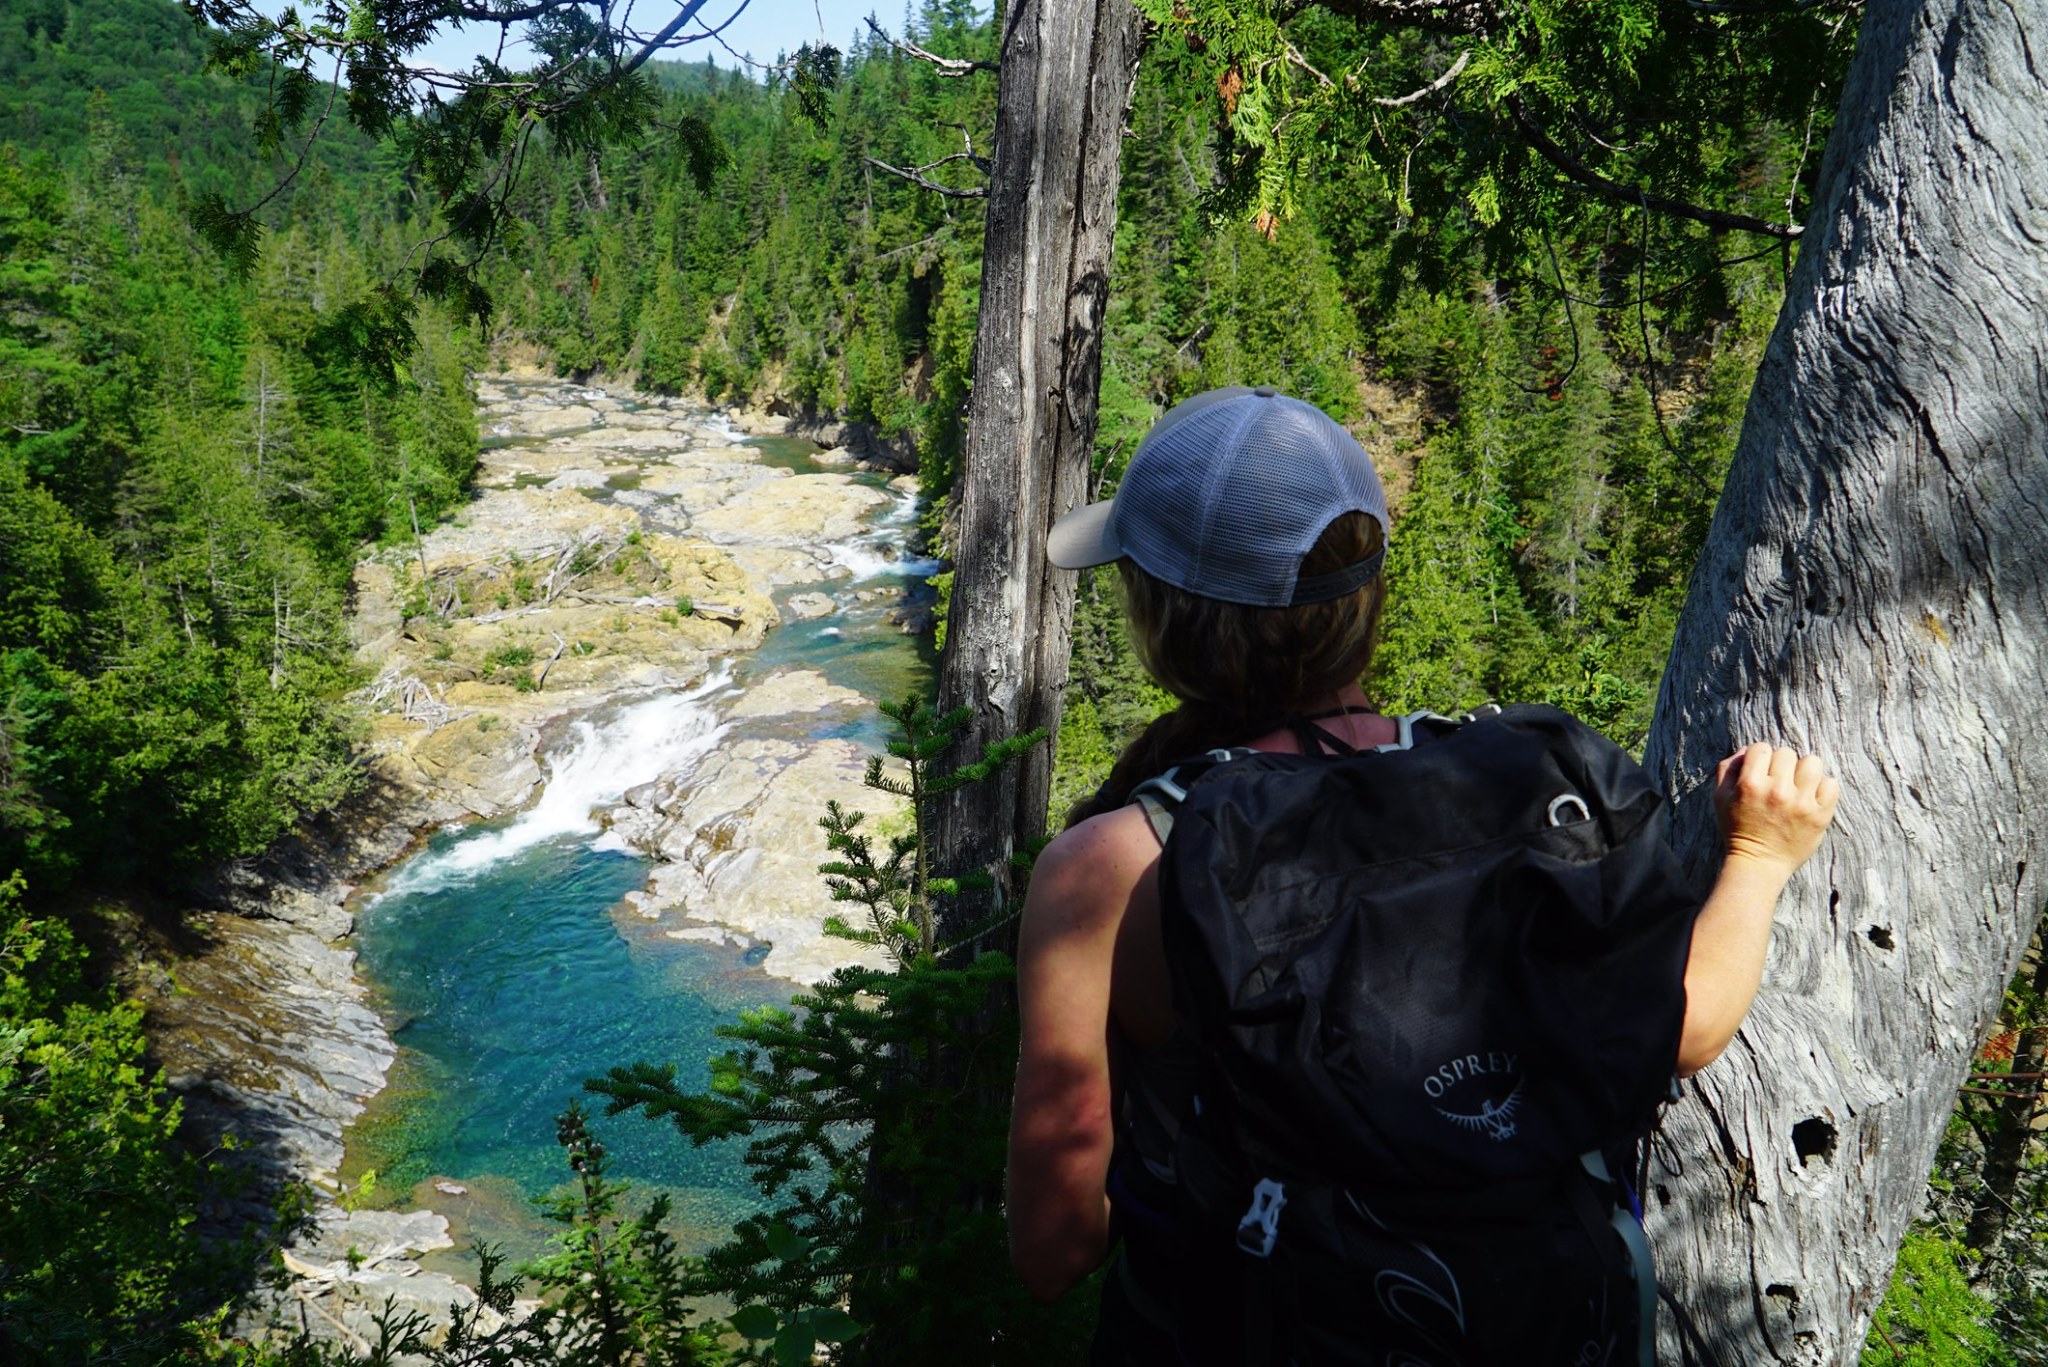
x=802 y=509
x=741 y=850
x=540 y=420
x=267 y=1036
x=806 y=607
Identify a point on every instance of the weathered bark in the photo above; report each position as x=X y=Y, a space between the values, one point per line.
x=1068 y=67
x=1874 y=588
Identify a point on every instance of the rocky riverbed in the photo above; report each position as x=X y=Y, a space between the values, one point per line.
x=616 y=549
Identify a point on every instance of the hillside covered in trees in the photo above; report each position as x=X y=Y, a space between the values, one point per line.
x=1553 y=421
x=192 y=459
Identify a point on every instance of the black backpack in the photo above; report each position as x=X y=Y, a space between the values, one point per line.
x=1436 y=992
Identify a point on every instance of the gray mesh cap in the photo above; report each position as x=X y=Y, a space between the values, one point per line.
x=1225 y=495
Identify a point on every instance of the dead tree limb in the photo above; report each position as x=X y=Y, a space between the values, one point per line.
x=946 y=66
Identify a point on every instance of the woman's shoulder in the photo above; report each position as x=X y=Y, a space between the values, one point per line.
x=1105 y=842
x=1090 y=869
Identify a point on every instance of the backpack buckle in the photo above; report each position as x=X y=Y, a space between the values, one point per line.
x=1261 y=1223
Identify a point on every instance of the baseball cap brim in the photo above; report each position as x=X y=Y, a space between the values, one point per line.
x=1084 y=537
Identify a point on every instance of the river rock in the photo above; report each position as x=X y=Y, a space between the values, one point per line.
x=791 y=692
x=809 y=509
x=702 y=482
x=267 y=1037
x=617 y=439
x=915 y=619
x=487 y=770
x=524 y=522
x=805 y=607
x=353 y=1267
x=544 y=419
x=741 y=849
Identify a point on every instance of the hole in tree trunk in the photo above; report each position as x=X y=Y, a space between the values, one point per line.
x=1813 y=1138
x=1783 y=1292
x=1880 y=936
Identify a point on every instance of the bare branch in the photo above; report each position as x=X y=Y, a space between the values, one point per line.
x=667 y=34
x=894 y=252
x=947 y=66
x=1396 y=101
x=981 y=164
x=1295 y=58
x=1617 y=193
x=913 y=176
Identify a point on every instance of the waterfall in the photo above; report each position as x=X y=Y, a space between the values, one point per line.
x=604 y=756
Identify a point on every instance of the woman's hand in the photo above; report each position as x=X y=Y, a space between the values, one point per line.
x=1774 y=805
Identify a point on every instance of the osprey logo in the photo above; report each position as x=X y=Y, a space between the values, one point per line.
x=1473 y=1084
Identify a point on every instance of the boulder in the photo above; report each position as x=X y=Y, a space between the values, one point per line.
x=805 y=607
x=485 y=769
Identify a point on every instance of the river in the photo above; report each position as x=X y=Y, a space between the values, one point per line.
x=513 y=958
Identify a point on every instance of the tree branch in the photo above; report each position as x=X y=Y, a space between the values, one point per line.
x=950 y=191
x=1617 y=193
x=1295 y=58
x=981 y=164
x=1396 y=101
x=947 y=66
x=667 y=34
x=512 y=14
x=306 y=148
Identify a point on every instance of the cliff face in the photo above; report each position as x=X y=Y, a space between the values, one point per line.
x=613 y=551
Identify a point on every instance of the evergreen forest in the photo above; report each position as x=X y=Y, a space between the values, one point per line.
x=194 y=455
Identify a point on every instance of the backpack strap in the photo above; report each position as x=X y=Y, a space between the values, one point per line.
x=1406 y=736
x=1633 y=1239
x=1162 y=794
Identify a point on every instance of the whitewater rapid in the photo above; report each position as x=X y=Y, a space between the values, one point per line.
x=604 y=756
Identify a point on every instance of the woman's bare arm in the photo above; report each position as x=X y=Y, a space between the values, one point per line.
x=1774 y=806
x=1060 y=1127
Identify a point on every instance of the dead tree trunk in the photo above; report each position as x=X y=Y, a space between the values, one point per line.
x=1067 y=69
x=1875 y=588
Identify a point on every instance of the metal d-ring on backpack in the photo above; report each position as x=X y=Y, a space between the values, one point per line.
x=1436 y=992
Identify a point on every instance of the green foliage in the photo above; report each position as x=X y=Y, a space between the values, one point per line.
x=99 y=1257
x=75 y=79
x=852 y=1106
x=1503 y=124
x=188 y=468
x=901 y=894
x=1931 y=1317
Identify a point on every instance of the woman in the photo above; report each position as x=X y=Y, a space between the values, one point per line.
x=1249 y=532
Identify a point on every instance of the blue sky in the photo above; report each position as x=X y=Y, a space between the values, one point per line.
x=762 y=29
